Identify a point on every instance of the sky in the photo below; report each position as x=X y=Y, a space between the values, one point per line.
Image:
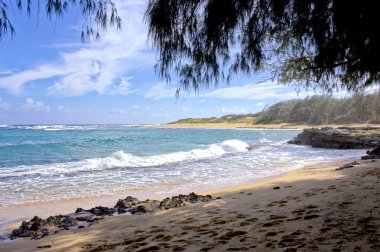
x=48 y=76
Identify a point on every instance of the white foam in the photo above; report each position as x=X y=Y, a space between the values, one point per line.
x=125 y=160
x=57 y=127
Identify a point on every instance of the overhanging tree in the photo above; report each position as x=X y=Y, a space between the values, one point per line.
x=98 y=14
x=321 y=43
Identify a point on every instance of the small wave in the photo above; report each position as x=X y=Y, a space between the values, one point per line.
x=123 y=159
x=265 y=140
x=71 y=127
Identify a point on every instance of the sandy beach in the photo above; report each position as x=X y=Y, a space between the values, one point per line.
x=317 y=208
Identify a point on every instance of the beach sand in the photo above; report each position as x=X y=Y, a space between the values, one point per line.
x=313 y=209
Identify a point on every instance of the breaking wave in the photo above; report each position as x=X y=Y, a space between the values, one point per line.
x=125 y=160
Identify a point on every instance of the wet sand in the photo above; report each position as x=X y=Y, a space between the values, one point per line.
x=313 y=209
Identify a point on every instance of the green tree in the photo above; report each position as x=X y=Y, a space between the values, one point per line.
x=320 y=43
x=325 y=109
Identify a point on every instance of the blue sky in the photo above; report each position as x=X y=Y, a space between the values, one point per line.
x=47 y=76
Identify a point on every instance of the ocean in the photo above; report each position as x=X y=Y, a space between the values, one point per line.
x=46 y=163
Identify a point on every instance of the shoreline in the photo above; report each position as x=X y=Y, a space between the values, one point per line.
x=289 y=183
x=67 y=206
x=282 y=126
x=45 y=209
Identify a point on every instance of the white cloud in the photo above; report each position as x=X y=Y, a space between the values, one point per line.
x=95 y=67
x=263 y=90
x=250 y=91
x=37 y=106
x=124 y=88
x=136 y=107
x=160 y=91
x=184 y=109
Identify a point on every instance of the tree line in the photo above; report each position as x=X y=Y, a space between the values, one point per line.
x=322 y=109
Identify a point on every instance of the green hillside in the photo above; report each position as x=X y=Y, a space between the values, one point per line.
x=314 y=110
x=247 y=118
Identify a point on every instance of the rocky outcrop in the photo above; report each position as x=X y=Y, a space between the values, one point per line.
x=338 y=138
x=373 y=154
x=38 y=228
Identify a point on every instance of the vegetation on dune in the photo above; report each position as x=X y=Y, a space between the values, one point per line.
x=247 y=119
x=358 y=108
x=314 y=110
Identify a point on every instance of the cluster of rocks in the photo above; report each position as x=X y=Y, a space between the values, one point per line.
x=134 y=206
x=38 y=228
x=338 y=138
x=373 y=154
x=180 y=200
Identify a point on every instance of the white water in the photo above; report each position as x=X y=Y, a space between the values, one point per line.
x=125 y=160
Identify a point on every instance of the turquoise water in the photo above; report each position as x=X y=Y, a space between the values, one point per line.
x=47 y=163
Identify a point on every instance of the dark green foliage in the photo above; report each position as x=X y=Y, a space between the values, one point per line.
x=314 y=110
x=101 y=13
x=320 y=43
x=247 y=118
x=359 y=108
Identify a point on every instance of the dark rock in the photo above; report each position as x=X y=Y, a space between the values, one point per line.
x=138 y=209
x=180 y=200
x=100 y=211
x=338 y=138
x=123 y=205
x=79 y=210
x=133 y=205
x=83 y=218
x=95 y=219
x=373 y=154
x=38 y=228
x=67 y=222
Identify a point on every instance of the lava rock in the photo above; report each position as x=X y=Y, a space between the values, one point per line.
x=100 y=210
x=373 y=154
x=123 y=205
x=37 y=227
x=337 y=138
x=181 y=200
